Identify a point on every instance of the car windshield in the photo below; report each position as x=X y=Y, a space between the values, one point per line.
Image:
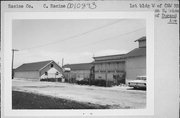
x=141 y=78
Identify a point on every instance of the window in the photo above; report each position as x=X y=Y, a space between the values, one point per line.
x=52 y=65
x=99 y=77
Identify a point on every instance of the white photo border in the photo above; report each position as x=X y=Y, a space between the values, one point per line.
x=6 y=59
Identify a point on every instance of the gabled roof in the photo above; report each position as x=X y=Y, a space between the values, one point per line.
x=35 y=66
x=80 y=66
x=137 y=52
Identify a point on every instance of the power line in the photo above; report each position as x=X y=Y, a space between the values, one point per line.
x=74 y=36
x=111 y=37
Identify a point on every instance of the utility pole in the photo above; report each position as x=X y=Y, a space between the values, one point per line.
x=13 y=50
x=106 y=78
x=62 y=62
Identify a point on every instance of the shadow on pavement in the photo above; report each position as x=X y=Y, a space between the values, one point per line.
x=142 y=89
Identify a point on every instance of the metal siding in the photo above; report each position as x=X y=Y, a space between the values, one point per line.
x=84 y=74
x=110 y=76
x=28 y=75
x=142 y=44
x=113 y=67
x=135 y=66
x=99 y=75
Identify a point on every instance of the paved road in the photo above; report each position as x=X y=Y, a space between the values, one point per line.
x=116 y=97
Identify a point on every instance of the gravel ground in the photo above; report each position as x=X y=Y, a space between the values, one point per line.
x=115 y=97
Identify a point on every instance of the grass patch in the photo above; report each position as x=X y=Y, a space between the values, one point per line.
x=23 y=100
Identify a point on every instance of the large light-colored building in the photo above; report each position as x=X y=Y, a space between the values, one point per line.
x=136 y=61
x=110 y=68
x=123 y=67
x=38 y=70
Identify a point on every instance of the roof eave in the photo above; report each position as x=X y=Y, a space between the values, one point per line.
x=141 y=39
x=46 y=65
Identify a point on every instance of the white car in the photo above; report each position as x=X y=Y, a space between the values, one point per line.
x=140 y=82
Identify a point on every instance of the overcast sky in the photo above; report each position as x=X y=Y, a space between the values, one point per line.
x=77 y=41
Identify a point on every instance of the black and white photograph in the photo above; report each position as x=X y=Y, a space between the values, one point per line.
x=83 y=58
x=79 y=64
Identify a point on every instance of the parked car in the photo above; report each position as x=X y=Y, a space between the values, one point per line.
x=140 y=82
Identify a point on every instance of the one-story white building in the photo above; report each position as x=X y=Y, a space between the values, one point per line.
x=78 y=72
x=39 y=70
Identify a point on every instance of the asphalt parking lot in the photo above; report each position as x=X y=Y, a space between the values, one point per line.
x=116 y=97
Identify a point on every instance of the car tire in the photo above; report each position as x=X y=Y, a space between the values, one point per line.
x=135 y=87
